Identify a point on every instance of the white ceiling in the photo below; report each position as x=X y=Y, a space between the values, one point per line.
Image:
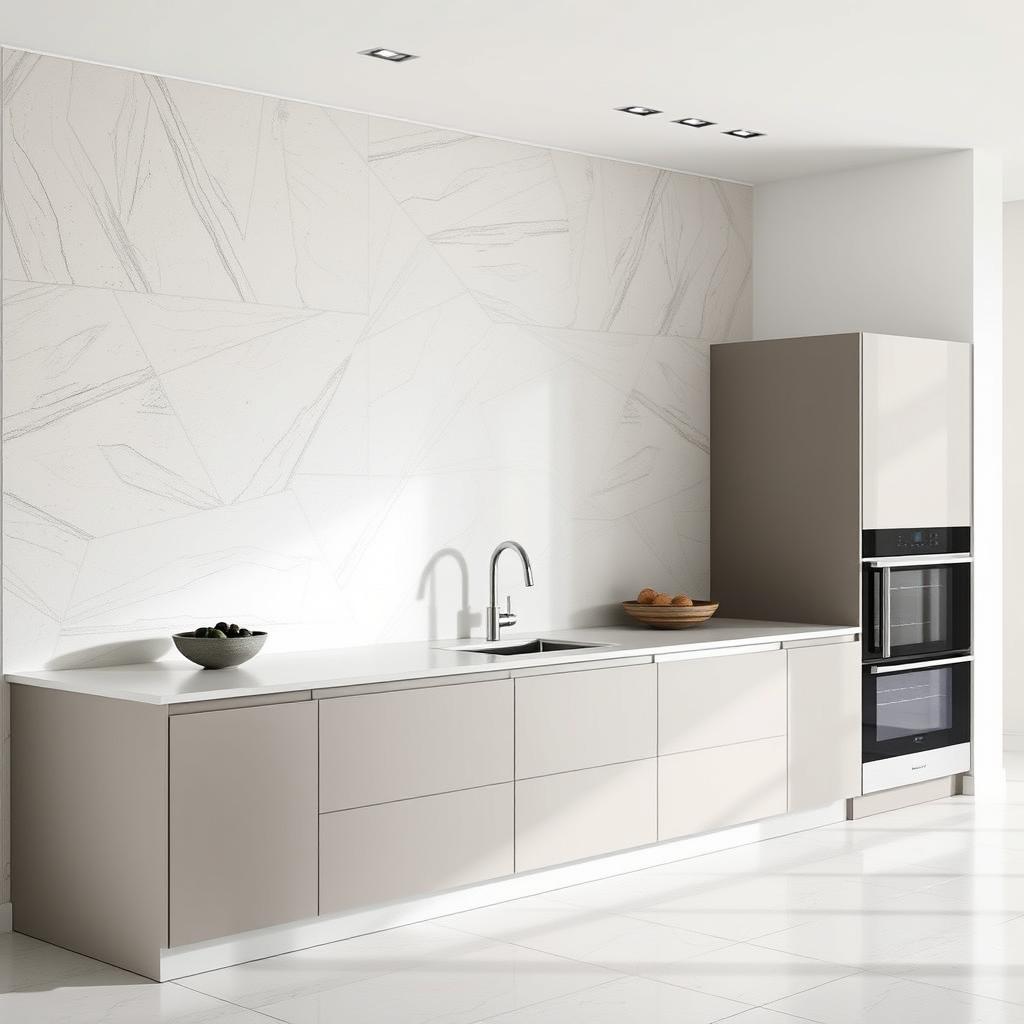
x=833 y=83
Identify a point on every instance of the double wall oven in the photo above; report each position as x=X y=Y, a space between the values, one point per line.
x=916 y=655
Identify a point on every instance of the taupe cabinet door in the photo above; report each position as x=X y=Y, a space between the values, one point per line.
x=710 y=789
x=414 y=847
x=824 y=725
x=917 y=432
x=243 y=820
x=582 y=814
x=712 y=701
x=378 y=747
x=583 y=719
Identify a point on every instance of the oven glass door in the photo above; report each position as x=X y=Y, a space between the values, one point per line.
x=910 y=708
x=915 y=610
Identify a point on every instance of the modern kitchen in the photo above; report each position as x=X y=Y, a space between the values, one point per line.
x=478 y=561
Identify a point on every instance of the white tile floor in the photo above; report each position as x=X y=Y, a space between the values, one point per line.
x=912 y=916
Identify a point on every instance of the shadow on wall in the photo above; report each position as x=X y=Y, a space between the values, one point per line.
x=465 y=618
x=124 y=652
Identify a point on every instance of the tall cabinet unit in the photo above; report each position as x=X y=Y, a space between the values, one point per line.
x=833 y=456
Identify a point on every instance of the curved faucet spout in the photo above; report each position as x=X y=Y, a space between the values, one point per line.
x=495 y=618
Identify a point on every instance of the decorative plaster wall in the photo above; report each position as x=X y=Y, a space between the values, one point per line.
x=303 y=368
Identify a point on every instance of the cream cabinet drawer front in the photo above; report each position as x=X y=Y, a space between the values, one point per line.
x=710 y=789
x=573 y=720
x=710 y=702
x=410 y=848
x=378 y=747
x=561 y=818
x=910 y=768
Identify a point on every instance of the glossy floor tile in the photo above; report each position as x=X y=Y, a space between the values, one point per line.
x=912 y=916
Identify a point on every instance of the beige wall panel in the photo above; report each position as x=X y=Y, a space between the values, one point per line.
x=785 y=479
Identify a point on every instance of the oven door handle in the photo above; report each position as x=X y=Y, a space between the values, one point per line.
x=918 y=561
x=886 y=612
x=881 y=670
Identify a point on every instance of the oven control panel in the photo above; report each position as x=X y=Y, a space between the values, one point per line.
x=930 y=540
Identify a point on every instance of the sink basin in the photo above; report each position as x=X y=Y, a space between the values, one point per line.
x=528 y=647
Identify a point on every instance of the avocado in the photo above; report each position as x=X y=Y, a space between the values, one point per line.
x=232 y=631
x=218 y=634
x=222 y=626
x=202 y=631
x=244 y=632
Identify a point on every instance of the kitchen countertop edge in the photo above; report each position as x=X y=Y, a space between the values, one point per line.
x=168 y=682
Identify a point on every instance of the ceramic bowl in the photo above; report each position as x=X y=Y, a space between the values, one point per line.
x=212 y=652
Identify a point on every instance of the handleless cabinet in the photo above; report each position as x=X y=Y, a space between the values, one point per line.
x=824 y=724
x=378 y=747
x=583 y=719
x=917 y=432
x=243 y=820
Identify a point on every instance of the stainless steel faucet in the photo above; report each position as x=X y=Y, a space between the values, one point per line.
x=495 y=617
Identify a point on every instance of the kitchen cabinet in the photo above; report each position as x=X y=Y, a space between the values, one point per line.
x=377 y=747
x=393 y=851
x=824 y=724
x=720 y=698
x=243 y=820
x=566 y=817
x=916 y=432
x=582 y=719
x=721 y=786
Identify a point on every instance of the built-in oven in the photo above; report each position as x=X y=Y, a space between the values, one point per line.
x=916 y=721
x=916 y=594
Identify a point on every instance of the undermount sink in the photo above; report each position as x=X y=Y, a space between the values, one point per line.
x=528 y=647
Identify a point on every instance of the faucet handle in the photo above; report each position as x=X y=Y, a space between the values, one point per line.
x=507 y=617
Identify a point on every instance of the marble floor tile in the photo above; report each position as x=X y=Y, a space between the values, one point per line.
x=28 y=963
x=627 y=1001
x=868 y=997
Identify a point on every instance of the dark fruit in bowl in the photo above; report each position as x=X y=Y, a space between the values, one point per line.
x=222 y=626
x=201 y=632
x=244 y=632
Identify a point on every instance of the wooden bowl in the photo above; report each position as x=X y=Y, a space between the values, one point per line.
x=669 y=616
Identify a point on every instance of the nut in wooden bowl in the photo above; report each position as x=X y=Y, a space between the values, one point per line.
x=671 y=616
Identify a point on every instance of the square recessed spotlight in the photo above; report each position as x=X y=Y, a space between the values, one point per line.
x=639 y=111
x=383 y=53
x=694 y=122
x=744 y=133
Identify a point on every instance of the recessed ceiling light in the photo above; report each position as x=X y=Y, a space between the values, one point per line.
x=639 y=111
x=694 y=122
x=395 y=56
x=743 y=133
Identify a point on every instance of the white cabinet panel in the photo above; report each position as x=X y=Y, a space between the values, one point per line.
x=709 y=789
x=567 y=817
x=824 y=725
x=377 y=747
x=571 y=720
x=916 y=432
x=708 y=702
x=415 y=847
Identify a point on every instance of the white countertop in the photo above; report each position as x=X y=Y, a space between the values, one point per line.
x=177 y=681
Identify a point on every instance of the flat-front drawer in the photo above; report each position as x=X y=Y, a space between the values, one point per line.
x=567 y=817
x=415 y=847
x=891 y=772
x=571 y=720
x=709 y=789
x=377 y=747
x=709 y=702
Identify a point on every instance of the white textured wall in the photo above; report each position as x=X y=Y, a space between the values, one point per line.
x=302 y=369
x=910 y=248
x=1013 y=464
